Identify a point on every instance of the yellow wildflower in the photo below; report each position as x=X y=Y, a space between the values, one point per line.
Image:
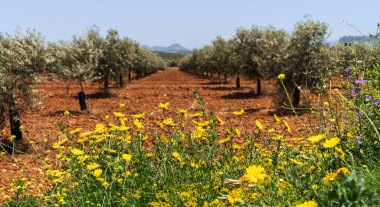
x=127 y=173
x=121 y=106
x=326 y=104
x=59 y=144
x=149 y=155
x=199 y=114
x=138 y=124
x=97 y=172
x=329 y=177
x=118 y=114
x=330 y=143
x=259 y=125
x=100 y=129
x=281 y=76
x=340 y=151
x=86 y=134
x=183 y=111
x=343 y=170
x=308 y=204
x=234 y=196
x=238 y=113
x=93 y=166
x=198 y=132
x=169 y=122
x=126 y=157
x=221 y=122
x=66 y=113
x=317 y=138
x=164 y=105
x=276 y=118
x=139 y=116
x=222 y=141
x=76 y=152
x=83 y=158
x=296 y=162
x=75 y=131
x=287 y=126
x=177 y=156
x=237 y=132
x=164 y=138
x=254 y=174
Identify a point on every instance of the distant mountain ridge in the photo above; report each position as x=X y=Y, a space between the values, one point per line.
x=173 y=48
x=358 y=40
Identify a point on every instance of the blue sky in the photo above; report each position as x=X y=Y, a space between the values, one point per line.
x=192 y=23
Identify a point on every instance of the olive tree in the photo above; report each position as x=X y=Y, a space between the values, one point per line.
x=270 y=54
x=126 y=55
x=21 y=60
x=246 y=46
x=307 y=60
x=222 y=56
x=76 y=60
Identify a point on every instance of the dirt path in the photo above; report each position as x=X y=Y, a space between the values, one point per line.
x=170 y=85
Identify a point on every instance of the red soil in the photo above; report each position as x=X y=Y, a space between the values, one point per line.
x=170 y=85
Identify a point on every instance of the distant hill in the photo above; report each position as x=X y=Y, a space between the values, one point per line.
x=358 y=40
x=174 y=48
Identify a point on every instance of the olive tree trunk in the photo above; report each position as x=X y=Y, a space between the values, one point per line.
x=14 y=118
x=258 y=86
x=82 y=98
x=296 y=97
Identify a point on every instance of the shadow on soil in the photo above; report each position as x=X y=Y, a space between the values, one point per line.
x=221 y=88
x=98 y=95
x=74 y=113
x=17 y=147
x=215 y=83
x=252 y=110
x=241 y=95
x=283 y=111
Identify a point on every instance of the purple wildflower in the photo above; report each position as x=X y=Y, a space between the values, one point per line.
x=359 y=139
x=369 y=98
x=348 y=69
x=359 y=81
x=353 y=123
x=377 y=102
x=355 y=93
x=360 y=114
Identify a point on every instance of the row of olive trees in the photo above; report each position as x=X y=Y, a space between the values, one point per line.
x=263 y=53
x=94 y=58
x=23 y=57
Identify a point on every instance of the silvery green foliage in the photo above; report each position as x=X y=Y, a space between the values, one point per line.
x=126 y=55
x=93 y=58
x=76 y=60
x=307 y=55
x=147 y=61
x=271 y=51
x=247 y=46
x=222 y=54
x=22 y=58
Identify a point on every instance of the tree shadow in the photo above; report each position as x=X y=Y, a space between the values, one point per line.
x=16 y=147
x=241 y=95
x=98 y=95
x=62 y=112
x=252 y=110
x=214 y=83
x=285 y=111
x=221 y=88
